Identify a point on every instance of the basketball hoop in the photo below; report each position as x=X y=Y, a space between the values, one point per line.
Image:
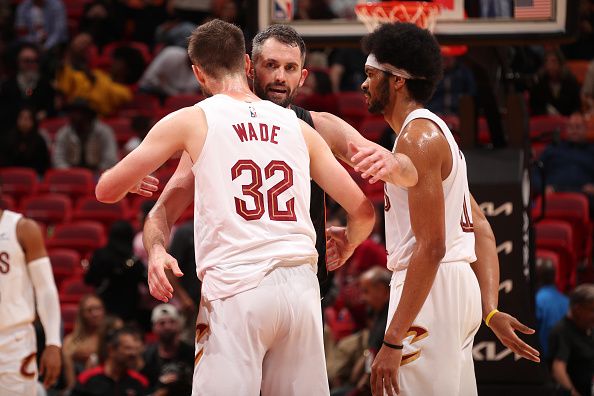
x=420 y=13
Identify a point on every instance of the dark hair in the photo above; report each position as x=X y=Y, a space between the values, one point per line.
x=120 y=239
x=113 y=338
x=282 y=33
x=218 y=48
x=583 y=294
x=411 y=48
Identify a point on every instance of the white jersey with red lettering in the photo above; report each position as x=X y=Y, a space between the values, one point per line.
x=252 y=195
x=400 y=239
x=17 y=302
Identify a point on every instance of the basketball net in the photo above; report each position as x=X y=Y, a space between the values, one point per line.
x=420 y=13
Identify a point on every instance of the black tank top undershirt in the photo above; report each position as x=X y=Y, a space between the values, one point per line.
x=317 y=211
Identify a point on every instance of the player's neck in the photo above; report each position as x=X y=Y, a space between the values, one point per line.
x=235 y=86
x=397 y=113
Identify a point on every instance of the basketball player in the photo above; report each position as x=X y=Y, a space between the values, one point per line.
x=435 y=302
x=278 y=55
x=255 y=243
x=26 y=282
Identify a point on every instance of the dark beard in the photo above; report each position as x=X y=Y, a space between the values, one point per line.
x=378 y=105
x=262 y=93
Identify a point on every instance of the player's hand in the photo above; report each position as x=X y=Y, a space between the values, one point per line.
x=504 y=326
x=50 y=365
x=146 y=187
x=384 y=372
x=338 y=248
x=374 y=162
x=158 y=261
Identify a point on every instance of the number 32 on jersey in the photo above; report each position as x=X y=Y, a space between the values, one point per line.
x=253 y=190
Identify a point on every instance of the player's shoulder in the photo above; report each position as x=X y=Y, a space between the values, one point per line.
x=421 y=133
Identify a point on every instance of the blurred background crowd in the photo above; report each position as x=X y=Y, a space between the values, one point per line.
x=81 y=83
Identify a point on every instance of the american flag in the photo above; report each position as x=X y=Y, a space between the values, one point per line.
x=533 y=9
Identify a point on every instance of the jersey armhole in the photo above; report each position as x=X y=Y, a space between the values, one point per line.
x=198 y=161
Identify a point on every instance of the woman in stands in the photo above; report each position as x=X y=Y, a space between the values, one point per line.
x=81 y=347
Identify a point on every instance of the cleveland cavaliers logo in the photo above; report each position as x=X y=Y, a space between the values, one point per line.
x=418 y=333
x=387 y=204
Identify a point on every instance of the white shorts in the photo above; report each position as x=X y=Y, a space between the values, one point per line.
x=437 y=355
x=18 y=365
x=268 y=338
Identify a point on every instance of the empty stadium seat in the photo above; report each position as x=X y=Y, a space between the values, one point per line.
x=88 y=208
x=557 y=236
x=82 y=236
x=18 y=182
x=65 y=263
x=48 y=208
x=573 y=208
x=122 y=129
x=74 y=182
x=69 y=312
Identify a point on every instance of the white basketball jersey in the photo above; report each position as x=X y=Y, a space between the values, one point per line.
x=17 y=303
x=458 y=217
x=252 y=193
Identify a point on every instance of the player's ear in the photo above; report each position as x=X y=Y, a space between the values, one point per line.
x=248 y=66
x=199 y=74
x=399 y=82
x=304 y=74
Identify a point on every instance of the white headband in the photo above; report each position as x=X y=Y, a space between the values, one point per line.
x=386 y=67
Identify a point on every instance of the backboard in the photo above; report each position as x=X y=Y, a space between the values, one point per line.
x=460 y=21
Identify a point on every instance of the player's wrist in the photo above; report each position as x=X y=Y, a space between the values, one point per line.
x=490 y=316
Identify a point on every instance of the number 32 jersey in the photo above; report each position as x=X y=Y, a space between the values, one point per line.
x=252 y=195
x=459 y=231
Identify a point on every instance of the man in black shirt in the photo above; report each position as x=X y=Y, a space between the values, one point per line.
x=571 y=344
x=116 y=377
x=167 y=325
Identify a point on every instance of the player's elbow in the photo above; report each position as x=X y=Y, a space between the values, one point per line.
x=104 y=193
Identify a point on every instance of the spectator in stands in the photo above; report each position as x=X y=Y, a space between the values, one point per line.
x=457 y=81
x=347 y=71
x=313 y=9
x=102 y=22
x=28 y=87
x=81 y=347
x=116 y=273
x=318 y=91
x=127 y=65
x=117 y=375
x=159 y=80
x=571 y=344
x=174 y=31
x=42 y=22
x=588 y=90
x=84 y=141
x=169 y=348
x=76 y=78
x=551 y=305
x=569 y=165
x=557 y=90
x=354 y=367
x=24 y=145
